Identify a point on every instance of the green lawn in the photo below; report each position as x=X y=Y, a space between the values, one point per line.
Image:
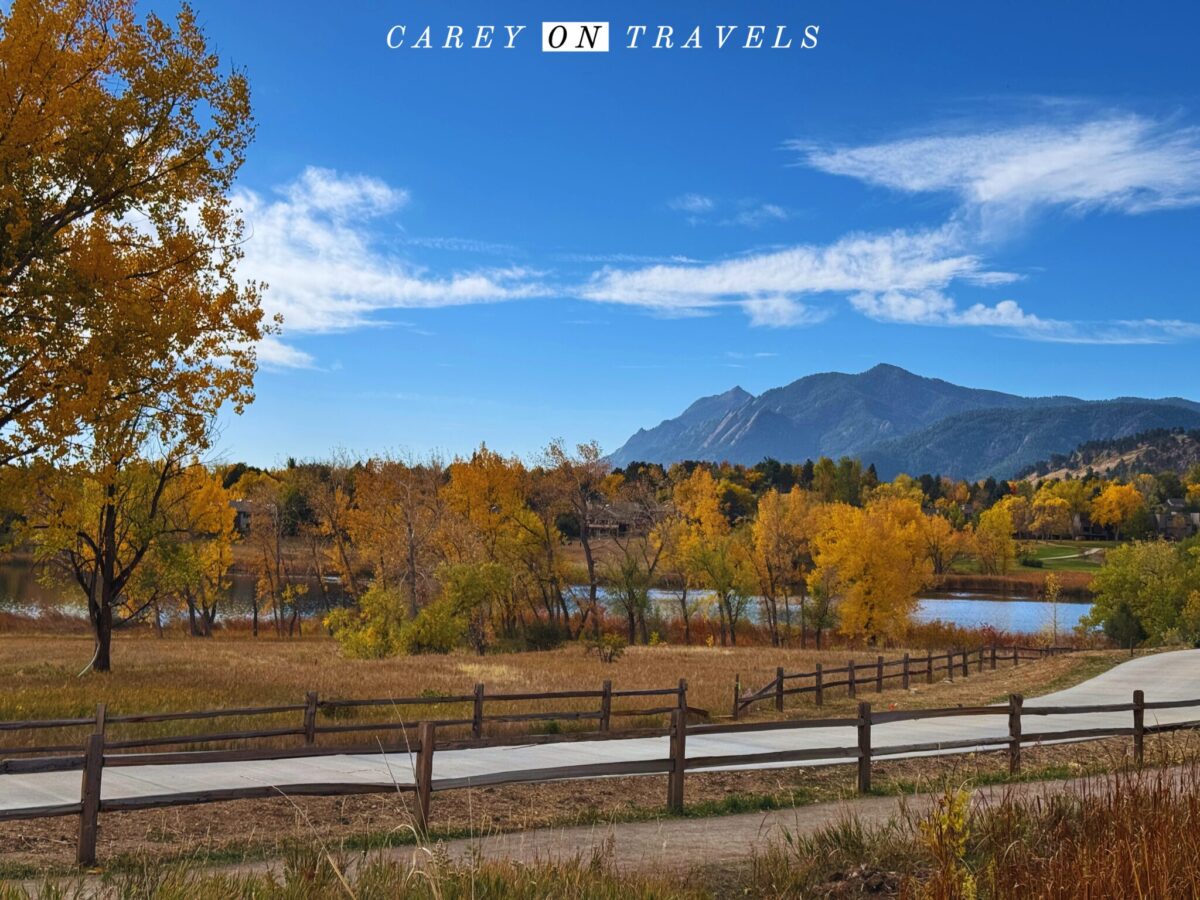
x=1068 y=556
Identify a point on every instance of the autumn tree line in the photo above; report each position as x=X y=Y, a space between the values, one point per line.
x=397 y=555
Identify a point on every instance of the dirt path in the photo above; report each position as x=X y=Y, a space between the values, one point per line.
x=681 y=844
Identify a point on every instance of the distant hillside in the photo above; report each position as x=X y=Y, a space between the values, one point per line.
x=900 y=421
x=1151 y=452
x=1003 y=442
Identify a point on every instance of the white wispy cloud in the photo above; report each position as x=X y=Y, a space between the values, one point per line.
x=693 y=204
x=275 y=354
x=935 y=308
x=768 y=286
x=782 y=312
x=1126 y=163
x=755 y=215
x=701 y=209
x=901 y=278
x=315 y=242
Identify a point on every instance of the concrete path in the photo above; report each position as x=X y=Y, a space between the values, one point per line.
x=1167 y=676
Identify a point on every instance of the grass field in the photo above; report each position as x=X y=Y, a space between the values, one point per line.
x=40 y=674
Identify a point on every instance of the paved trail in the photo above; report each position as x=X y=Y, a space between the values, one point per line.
x=1167 y=676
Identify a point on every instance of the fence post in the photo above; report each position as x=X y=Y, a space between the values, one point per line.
x=310 y=718
x=864 y=748
x=993 y=657
x=819 y=688
x=879 y=674
x=1016 y=657
x=966 y=666
x=851 y=681
x=950 y=664
x=904 y=675
x=1139 y=726
x=683 y=704
x=477 y=712
x=424 y=776
x=929 y=667
x=737 y=694
x=89 y=790
x=980 y=659
x=779 y=689
x=606 y=706
x=678 y=760
x=1015 y=702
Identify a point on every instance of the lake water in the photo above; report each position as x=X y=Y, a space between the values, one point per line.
x=1018 y=615
x=1014 y=615
x=21 y=591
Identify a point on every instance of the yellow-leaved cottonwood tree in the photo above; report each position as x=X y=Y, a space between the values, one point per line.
x=782 y=557
x=872 y=559
x=126 y=328
x=1116 y=506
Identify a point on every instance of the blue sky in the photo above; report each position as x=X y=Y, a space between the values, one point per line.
x=511 y=246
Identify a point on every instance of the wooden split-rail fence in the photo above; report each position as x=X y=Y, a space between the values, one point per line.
x=98 y=753
x=311 y=727
x=880 y=673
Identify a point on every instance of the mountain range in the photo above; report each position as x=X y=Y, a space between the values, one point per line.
x=900 y=422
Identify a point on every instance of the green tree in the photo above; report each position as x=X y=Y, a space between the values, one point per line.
x=1154 y=582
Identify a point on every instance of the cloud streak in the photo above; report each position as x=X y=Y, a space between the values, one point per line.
x=769 y=286
x=314 y=242
x=1126 y=164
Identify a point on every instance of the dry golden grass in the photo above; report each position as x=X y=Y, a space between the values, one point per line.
x=175 y=674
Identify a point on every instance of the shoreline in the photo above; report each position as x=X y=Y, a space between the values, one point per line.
x=1075 y=586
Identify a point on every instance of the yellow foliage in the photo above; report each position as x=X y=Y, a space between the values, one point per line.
x=873 y=561
x=1117 y=505
x=994 y=543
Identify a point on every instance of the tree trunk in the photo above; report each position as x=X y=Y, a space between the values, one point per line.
x=194 y=627
x=104 y=629
x=411 y=575
x=593 y=599
x=102 y=615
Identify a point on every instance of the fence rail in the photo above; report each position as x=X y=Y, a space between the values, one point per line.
x=875 y=673
x=96 y=756
x=311 y=727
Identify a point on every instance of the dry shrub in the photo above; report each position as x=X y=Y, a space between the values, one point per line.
x=1134 y=835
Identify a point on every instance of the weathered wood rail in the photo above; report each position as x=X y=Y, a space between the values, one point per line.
x=96 y=756
x=311 y=727
x=880 y=673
